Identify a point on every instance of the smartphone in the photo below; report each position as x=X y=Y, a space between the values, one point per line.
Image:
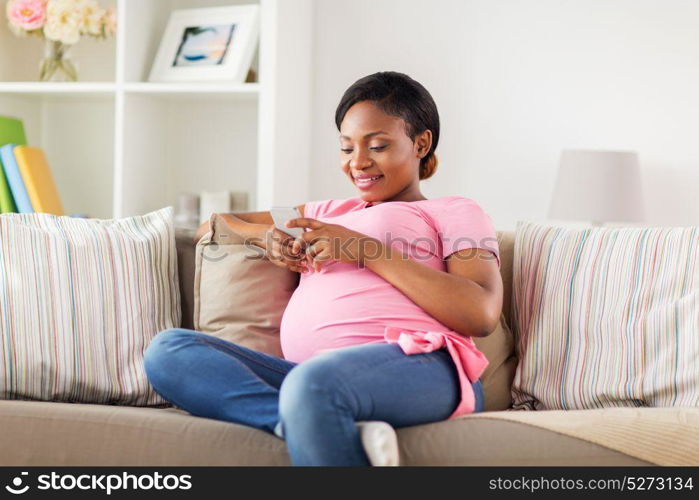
x=282 y=214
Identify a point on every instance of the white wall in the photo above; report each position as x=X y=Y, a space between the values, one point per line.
x=517 y=81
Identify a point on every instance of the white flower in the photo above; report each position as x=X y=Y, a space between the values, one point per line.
x=93 y=22
x=92 y=16
x=63 y=21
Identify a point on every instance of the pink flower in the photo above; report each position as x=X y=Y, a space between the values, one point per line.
x=27 y=14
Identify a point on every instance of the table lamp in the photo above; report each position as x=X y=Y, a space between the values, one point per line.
x=598 y=186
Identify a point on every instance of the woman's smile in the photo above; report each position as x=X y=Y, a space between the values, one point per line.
x=367 y=182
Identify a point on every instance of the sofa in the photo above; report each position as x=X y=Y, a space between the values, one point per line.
x=39 y=433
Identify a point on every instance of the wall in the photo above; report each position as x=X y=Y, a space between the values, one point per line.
x=516 y=82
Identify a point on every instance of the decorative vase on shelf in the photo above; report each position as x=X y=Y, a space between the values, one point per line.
x=57 y=66
x=61 y=24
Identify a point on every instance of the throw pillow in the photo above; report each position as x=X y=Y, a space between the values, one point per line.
x=80 y=300
x=499 y=346
x=239 y=295
x=606 y=317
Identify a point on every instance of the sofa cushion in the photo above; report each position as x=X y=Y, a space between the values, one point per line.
x=186 y=257
x=477 y=439
x=239 y=295
x=506 y=245
x=37 y=433
x=80 y=299
x=606 y=317
x=665 y=436
x=67 y=434
x=499 y=346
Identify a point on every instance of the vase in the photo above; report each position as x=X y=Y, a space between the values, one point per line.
x=56 y=66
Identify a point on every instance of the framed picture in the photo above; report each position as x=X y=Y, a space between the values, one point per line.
x=211 y=44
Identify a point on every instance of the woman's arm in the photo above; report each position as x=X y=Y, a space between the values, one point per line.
x=467 y=298
x=250 y=225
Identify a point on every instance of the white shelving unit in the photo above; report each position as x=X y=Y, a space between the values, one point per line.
x=119 y=145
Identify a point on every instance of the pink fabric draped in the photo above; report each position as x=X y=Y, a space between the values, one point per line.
x=469 y=361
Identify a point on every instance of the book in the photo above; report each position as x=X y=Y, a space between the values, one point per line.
x=14 y=179
x=38 y=180
x=11 y=131
x=7 y=202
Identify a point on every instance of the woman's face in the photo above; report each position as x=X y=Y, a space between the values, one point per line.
x=375 y=144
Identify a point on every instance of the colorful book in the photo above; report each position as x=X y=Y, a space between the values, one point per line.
x=11 y=131
x=7 y=202
x=14 y=179
x=38 y=180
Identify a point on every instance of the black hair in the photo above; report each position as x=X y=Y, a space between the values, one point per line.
x=398 y=95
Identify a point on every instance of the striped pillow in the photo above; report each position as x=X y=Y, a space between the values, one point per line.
x=80 y=299
x=606 y=317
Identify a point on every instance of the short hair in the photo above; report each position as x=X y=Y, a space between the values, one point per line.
x=398 y=95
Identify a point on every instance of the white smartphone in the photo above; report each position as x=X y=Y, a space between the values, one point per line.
x=282 y=214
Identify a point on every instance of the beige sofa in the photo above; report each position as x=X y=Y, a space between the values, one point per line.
x=66 y=434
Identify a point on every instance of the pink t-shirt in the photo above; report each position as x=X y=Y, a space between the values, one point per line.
x=343 y=305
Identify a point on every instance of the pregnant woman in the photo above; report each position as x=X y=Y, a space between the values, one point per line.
x=393 y=287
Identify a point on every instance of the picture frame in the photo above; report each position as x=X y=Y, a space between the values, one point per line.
x=214 y=44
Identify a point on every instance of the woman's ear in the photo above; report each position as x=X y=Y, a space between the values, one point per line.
x=423 y=143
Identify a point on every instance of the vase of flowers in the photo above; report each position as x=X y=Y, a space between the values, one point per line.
x=61 y=24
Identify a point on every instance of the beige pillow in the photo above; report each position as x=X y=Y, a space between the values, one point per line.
x=239 y=295
x=499 y=346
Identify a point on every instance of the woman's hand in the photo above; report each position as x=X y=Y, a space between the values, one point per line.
x=278 y=247
x=326 y=242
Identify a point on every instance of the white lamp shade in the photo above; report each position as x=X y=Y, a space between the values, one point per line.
x=599 y=186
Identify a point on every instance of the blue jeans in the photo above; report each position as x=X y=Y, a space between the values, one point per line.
x=317 y=402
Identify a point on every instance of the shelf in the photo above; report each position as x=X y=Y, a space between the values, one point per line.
x=119 y=145
x=243 y=88
x=100 y=90
x=56 y=87
x=191 y=145
x=140 y=87
x=195 y=90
